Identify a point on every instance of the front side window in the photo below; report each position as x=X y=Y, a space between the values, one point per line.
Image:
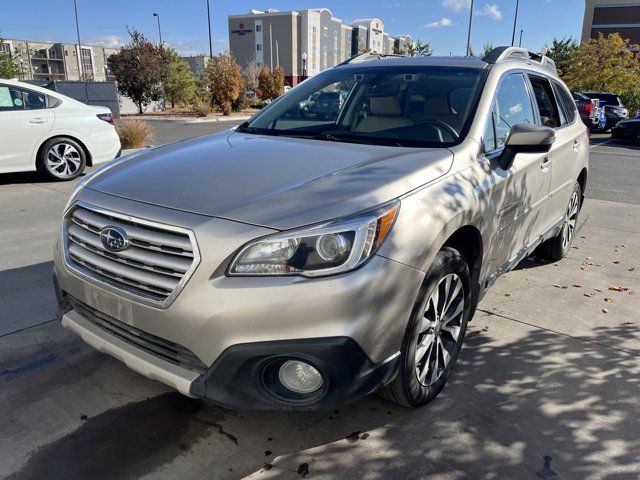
x=10 y=98
x=512 y=105
x=549 y=112
x=410 y=106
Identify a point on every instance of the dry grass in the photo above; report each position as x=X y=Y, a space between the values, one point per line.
x=134 y=134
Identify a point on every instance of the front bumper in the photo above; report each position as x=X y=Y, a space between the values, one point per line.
x=350 y=326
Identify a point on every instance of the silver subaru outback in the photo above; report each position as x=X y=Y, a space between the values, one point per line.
x=324 y=250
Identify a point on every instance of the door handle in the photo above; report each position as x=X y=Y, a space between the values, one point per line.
x=576 y=145
x=38 y=120
x=544 y=166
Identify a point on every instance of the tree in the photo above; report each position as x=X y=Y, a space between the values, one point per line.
x=9 y=66
x=486 y=48
x=422 y=49
x=224 y=78
x=397 y=50
x=250 y=74
x=561 y=50
x=606 y=63
x=181 y=85
x=411 y=49
x=140 y=69
x=270 y=84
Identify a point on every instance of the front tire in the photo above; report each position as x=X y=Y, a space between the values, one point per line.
x=434 y=336
x=61 y=159
x=557 y=248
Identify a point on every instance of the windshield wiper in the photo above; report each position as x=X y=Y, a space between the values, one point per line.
x=351 y=138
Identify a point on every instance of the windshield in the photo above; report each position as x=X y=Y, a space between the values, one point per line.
x=403 y=106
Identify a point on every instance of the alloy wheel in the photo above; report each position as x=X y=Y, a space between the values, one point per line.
x=570 y=220
x=439 y=329
x=63 y=160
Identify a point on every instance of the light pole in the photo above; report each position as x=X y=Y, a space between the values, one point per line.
x=209 y=20
x=304 y=65
x=515 y=22
x=159 y=31
x=79 y=52
x=520 y=43
x=469 y=33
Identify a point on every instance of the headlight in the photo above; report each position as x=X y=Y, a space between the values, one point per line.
x=326 y=249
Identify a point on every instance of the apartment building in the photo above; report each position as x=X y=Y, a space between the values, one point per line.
x=305 y=42
x=612 y=16
x=59 y=61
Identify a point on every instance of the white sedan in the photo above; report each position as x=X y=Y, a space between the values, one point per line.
x=43 y=130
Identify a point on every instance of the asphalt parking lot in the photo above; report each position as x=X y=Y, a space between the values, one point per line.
x=547 y=385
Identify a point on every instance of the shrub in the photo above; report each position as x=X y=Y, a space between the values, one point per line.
x=224 y=78
x=202 y=110
x=134 y=134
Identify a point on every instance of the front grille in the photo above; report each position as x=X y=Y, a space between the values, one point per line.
x=154 y=267
x=164 y=349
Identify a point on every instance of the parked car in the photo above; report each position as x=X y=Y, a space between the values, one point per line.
x=627 y=130
x=588 y=109
x=294 y=263
x=327 y=105
x=613 y=109
x=54 y=134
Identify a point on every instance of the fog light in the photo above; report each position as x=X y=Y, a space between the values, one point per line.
x=300 y=377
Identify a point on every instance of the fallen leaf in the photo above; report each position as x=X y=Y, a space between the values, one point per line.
x=575 y=248
x=616 y=288
x=616 y=262
x=631 y=269
x=556 y=285
x=577 y=285
x=604 y=310
x=623 y=246
x=589 y=295
x=598 y=290
x=581 y=236
x=608 y=299
x=627 y=323
x=588 y=258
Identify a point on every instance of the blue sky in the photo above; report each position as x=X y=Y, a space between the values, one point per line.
x=184 y=22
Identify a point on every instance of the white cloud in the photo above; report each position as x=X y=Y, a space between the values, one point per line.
x=491 y=11
x=443 y=22
x=109 y=41
x=456 y=5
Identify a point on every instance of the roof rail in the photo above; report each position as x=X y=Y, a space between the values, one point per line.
x=500 y=54
x=363 y=57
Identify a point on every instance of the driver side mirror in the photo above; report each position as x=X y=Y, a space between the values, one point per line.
x=526 y=138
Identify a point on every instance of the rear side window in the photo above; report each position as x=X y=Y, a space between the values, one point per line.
x=512 y=105
x=566 y=102
x=34 y=100
x=543 y=93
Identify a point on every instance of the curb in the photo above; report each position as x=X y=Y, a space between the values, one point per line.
x=192 y=120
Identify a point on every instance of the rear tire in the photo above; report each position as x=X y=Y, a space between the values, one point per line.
x=556 y=248
x=434 y=335
x=61 y=159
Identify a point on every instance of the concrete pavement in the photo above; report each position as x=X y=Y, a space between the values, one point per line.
x=547 y=382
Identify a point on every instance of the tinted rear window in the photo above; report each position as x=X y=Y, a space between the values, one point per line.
x=607 y=98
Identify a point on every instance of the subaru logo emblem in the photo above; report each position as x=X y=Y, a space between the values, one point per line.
x=114 y=239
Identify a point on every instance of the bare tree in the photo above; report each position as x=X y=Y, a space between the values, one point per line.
x=250 y=74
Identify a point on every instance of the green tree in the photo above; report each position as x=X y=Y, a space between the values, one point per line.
x=180 y=86
x=561 y=51
x=486 y=48
x=422 y=49
x=140 y=69
x=9 y=66
x=270 y=84
x=606 y=63
x=226 y=85
x=411 y=49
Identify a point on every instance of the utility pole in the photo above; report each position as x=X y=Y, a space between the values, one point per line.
x=277 y=56
x=515 y=22
x=159 y=31
x=520 y=43
x=79 y=52
x=469 y=33
x=209 y=19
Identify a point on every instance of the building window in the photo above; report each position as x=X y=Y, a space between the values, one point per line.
x=314 y=29
x=258 y=28
x=258 y=47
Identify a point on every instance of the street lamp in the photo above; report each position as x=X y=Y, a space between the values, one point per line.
x=209 y=20
x=515 y=22
x=304 y=64
x=159 y=31
x=469 y=32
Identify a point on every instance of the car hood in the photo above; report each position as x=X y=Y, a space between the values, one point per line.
x=277 y=182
